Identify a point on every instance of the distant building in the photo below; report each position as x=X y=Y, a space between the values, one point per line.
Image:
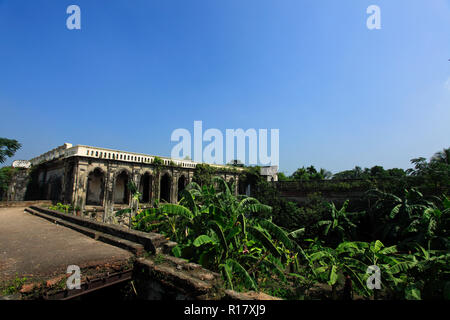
x=271 y=173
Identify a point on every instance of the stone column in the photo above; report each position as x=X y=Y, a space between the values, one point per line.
x=174 y=188
x=156 y=186
x=108 y=203
x=81 y=185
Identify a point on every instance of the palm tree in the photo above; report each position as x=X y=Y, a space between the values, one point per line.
x=325 y=174
x=8 y=148
x=442 y=156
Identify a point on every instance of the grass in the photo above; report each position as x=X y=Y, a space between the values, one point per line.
x=14 y=286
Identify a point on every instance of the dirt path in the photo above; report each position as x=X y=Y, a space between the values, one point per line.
x=36 y=248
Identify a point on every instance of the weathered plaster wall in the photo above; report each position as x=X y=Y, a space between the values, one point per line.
x=83 y=181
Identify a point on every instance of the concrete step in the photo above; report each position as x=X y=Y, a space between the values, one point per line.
x=135 y=248
x=149 y=240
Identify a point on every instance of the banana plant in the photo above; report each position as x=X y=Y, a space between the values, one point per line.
x=338 y=223
x=430 y=227
x=223 y=232
x=393 y=266
x=429 y=276
x=399 y=212
x=328 y=266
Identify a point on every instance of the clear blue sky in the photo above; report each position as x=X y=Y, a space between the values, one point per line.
x=340 y=94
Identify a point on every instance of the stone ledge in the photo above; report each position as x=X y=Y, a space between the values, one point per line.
x=180 y=280
x=150 y=241
x=14 y=203
x=192 y=281
x=250 y=295
x=189 y=279
x=135 y=248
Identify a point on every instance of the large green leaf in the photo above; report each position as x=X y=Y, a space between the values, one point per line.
x=257 y=208
x=219 y=232
x=240 y=270
x=251 y=205
x=231 y=233
x=176 y=251
x=389 y=250
x=275 y=266
x=223 y=185
x=241 y=220
x=276 y=232
x=193 y=186
x=318 y=255
x=401 y=267
x=354 y=247
x=358 y=279
x=297 y=233
x=245 y=202
x=265 y=241
x=176 y=209
x=395 y=211
x=376 y=246
x=332 y=276
x=187 y=199
x=228 y=274
x=202 y=239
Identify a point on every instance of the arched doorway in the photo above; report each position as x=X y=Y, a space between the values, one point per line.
x=165 y=188
x=54 y=188
x=95 y=188
x=121 y=192
x=243 y=187
x=145 y=187
x=181 y=185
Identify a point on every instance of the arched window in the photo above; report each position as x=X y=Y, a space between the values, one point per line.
x=165 y=188
x=121 y=192
x=95 y=188
x=145 y=187
x=181 y=185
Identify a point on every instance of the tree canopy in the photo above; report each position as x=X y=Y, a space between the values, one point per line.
x=8 y=148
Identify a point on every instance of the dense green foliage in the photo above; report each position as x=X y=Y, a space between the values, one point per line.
x=432 y=177
x=204 y=173
x=64 y=208
x=237 y=237
x=376 y=172
x=267 y=243
x=8 y=148
x=223 y=233
x=6 y=174
x=402 y=230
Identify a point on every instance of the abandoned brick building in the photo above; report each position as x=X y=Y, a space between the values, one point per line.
x=90 y=176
